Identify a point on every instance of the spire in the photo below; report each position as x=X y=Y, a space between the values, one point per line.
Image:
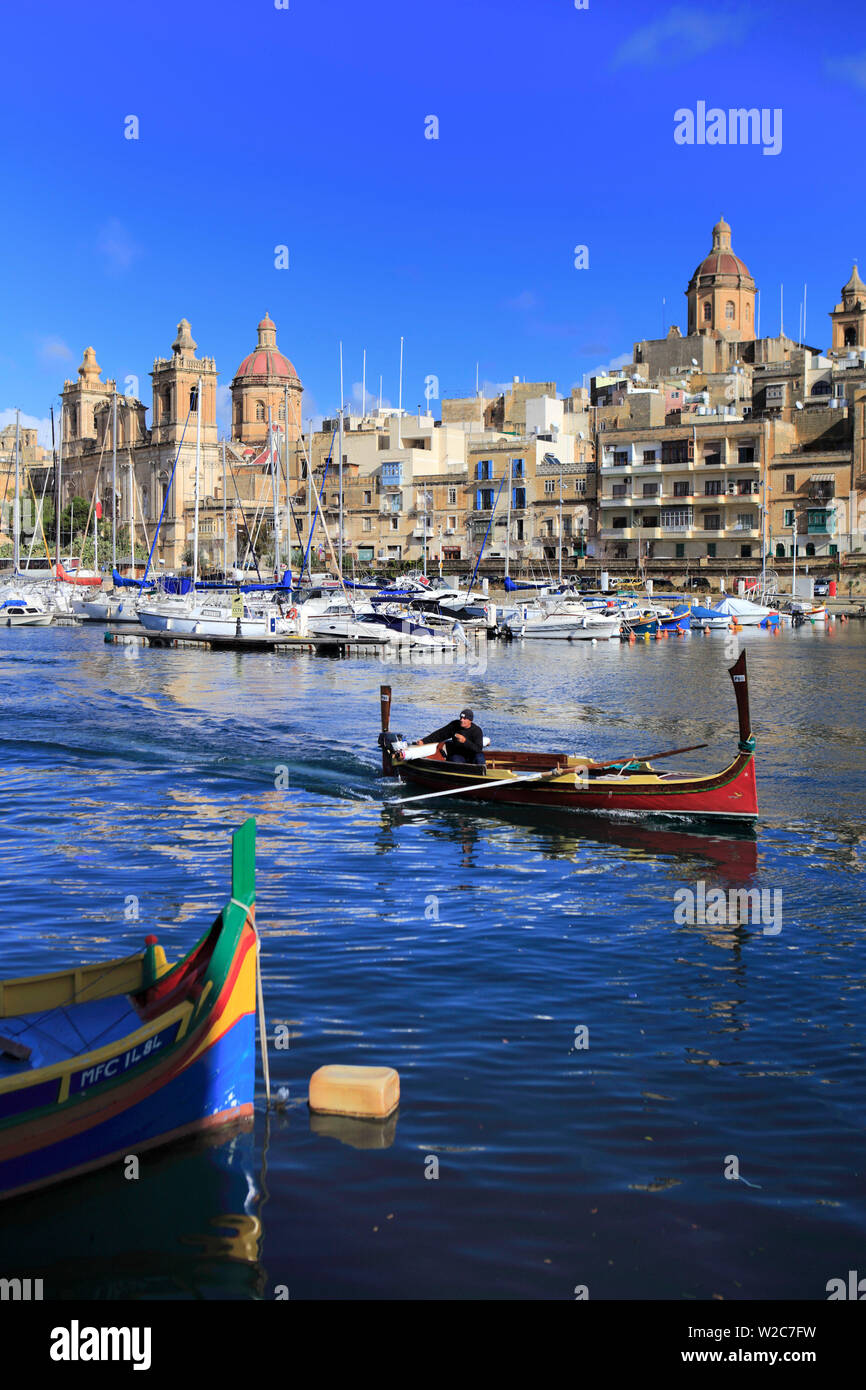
x=183 y=345
x=90 y=371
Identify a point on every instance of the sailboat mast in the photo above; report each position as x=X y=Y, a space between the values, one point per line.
x=16 y=519
x=508 y=515
x=225 y=519
x=273 y=454
x=114 y=480
x=59 y=482
x=286 y=467
x=197 y=467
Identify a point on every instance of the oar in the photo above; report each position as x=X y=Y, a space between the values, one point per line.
x=476 y=786
x=648 y=757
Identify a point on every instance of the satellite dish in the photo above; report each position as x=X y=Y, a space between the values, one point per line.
x=580 y=434
x=799 y=405
x=694 y=361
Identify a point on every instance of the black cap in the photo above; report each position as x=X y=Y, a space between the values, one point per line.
x=466 y=714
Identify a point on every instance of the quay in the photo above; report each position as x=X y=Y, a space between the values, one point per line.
x=139 y=636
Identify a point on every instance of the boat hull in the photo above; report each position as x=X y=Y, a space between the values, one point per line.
x=727 y=795
x=188 y=1069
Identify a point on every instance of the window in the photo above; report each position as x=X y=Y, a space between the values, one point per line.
x=789 y=482
x=713 y=460
x=649 y=456
x=484 y=470
x=677 y=517
x=730 y=311
x=789 y=516
x=713 y=487
x=193 y=405
x=712 y=521
x=746 y=453
x=239 y=414
x=620 y=458
x=850 y=337
x=711 y=550
x=580 y=485
x=452 y=523
x=566 y=525
x=550 y=487
x=816 y=519
x=484 y=499
x=650 y=520
x=677 y=451
x=452 y=497
x=518 y=498
x=260 y=410
x=368 y=499
x=780 y=551
x=708 y=311
x=166 y=405
x=679 y=551
x=810 y=548
x=619 y=523
x=651 y=489
x=745 y=552
x=519 y=530
x=618 y=490
x=682 y=489
x=744 y=487
x=395 y=523
x=383 y=442
x=517 y=468
x=745 y=521
x=366 y=523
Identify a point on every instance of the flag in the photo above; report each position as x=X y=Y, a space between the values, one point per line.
x=99 y=511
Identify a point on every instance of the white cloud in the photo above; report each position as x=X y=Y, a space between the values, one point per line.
x=53 y=350
x=527 y=299
x=613 y=365
x=116 y=246
x=681 y=35
x=851 y=69
x=29 y=422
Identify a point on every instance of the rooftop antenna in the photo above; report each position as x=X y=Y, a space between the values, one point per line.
x=804 y=312
x=364 y=385
x=781 y=311
x=380 y=393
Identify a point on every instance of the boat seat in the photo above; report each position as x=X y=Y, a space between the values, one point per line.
x=53 y=1035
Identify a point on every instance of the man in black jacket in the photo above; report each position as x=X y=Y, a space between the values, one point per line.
x=464 y=741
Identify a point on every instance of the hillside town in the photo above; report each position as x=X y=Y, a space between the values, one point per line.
x=712 y=451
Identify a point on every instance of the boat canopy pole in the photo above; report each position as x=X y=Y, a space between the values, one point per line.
x=246 y=527
x=484 y=542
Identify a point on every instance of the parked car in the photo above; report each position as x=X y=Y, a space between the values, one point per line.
x=822 y=588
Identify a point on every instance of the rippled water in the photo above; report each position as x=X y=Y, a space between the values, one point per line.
x=465 y=949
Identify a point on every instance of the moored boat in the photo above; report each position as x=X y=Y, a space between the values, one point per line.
x=563 y=781
x=104 y=1060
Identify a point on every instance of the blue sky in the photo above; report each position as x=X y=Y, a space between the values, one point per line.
x=305 y=127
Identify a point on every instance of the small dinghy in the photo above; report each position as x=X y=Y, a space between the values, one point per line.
x=100 y=1061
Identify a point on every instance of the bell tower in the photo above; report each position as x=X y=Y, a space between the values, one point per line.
x=849 y=317
x=174 y=384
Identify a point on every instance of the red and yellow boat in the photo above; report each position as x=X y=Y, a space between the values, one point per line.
x=562 y=781
x=104 y=1061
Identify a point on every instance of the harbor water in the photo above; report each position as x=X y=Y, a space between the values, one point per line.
x=597 y=1095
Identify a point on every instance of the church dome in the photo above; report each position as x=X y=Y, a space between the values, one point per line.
x=721 y=261
x=266 y=360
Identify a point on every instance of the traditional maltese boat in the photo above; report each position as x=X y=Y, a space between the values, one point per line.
x=563 y=781
x=99 y=1062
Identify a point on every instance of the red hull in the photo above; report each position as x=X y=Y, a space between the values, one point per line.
x=731 y=794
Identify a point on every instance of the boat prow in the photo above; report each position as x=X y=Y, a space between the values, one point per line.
x=106 y=1060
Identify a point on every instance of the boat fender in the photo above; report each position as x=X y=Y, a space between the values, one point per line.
x=292 y=613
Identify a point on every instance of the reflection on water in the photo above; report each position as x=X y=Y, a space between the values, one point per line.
x=188 y=1227
x=465 y=948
